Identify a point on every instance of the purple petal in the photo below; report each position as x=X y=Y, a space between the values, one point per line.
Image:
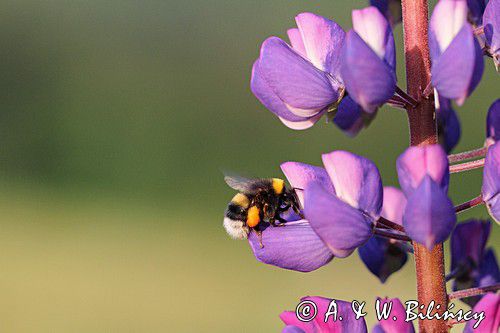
x=356 y=181
x=394 y=204
x=299 y=175
x=491 y=181
x=448 y=18
x=302 y=87
x=349 y=116
x=476 y=10
x=391 y=9
x=486 y=274
x=294 y=246
x=292 y=329
x=491 y=23
x=342 y=227
x=382 y=257
x=449 y=128
x=429 y=216
x=468 y=242
x=374 y=29
x=489 y=272
x=369 y=80
x=267 y=97
x=323 y=41
x=396 y=326
x=464 y=53
x=296 y=41
x=271 y=101
x=416 y=162
x=490 y=304
x=493 y=121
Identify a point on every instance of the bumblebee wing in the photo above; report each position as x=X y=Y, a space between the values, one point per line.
x=241 y=184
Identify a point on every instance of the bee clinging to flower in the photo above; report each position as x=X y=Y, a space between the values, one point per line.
x=260 y=200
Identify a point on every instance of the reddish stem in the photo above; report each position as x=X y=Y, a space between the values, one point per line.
x=391 y=235
x=391 y=225
x=467 y=166
x=431 y=285
x=407 y=98
x=469 y=204
x=479 y=31
x=467 y=155
x=474 y=291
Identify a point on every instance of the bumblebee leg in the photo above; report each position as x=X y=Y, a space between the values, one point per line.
x=273 y=222
x=282 y=222
x=259 y=236
x=296 y=209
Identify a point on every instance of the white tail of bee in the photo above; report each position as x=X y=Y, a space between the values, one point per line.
x=236 y=229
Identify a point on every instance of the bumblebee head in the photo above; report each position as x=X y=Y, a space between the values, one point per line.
x=289 y=196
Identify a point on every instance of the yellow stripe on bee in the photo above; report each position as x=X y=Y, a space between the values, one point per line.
x=241 y=200
x=253 y=216
x=278 y=185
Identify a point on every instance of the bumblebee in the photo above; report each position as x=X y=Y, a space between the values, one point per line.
x=259 y=201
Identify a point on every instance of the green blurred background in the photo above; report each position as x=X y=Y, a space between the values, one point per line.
x=116 y=117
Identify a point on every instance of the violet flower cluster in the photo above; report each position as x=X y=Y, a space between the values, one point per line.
x=347 y=76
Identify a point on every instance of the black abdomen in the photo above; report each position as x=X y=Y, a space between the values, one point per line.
x=236 y=212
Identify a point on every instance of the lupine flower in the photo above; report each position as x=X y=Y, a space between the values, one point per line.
x=423 y=174
x=318 y=325
x=384 y=256
x=391 y=9
x=476 y=10
x=491 y=181
x=300 y=83
x=457 y=58
x=345 y=220
x=490 y=304
x=312 y=62
x=369 y=59
x=491 y=24
x=471 y=264
x=341 y=205
x=493 y=121
x=394 y=326
x=448 y=124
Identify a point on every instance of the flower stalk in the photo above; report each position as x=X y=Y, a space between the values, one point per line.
x=391 y=235
x=407 y=98
x=389 y=224
x=469 y=204
x=467 y=155
x=399 y=102
x=466 y=166
x=473 y=291
x=431 y=284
